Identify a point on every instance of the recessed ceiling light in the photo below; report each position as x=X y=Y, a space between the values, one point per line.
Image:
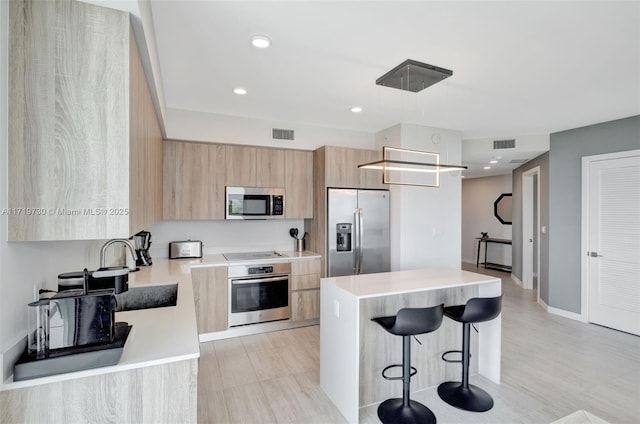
x=239 y=90
x=493 y=161
x=260 y=41
x=356 y=109
x=487 y=167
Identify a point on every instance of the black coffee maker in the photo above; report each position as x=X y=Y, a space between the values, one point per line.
x=142 y=242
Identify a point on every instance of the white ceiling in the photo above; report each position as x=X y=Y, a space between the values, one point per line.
x=519 y=68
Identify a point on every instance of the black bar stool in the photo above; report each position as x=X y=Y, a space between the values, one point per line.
x=407 y=323
x=462 y=394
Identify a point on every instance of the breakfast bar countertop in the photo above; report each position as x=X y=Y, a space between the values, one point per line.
x=389 y=283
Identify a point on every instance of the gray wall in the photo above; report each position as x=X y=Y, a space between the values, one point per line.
x=565 y=177
x=543 y=185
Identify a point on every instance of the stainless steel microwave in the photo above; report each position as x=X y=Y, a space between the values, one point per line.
x=254 y=203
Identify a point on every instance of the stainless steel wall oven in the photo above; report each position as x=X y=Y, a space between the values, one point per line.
x=259 y=293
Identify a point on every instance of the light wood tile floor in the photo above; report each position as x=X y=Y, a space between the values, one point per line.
x=551 y=366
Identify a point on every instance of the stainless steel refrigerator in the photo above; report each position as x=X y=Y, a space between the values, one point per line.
x=357 y=231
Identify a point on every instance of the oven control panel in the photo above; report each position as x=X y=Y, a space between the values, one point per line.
x=260 y=270
x=238 y=271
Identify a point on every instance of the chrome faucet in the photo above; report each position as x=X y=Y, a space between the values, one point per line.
x=126 y=242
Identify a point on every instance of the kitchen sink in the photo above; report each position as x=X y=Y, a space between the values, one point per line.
x=148 y=296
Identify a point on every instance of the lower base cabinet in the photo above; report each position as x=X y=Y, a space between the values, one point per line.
x=165 y=393
x=305 y=304
x=210 y=295
x=305 y=289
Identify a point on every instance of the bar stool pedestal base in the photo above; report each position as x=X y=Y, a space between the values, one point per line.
x=471 y=398
x=393 y=411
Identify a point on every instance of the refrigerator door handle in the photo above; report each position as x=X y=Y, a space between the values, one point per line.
x=360 y=233
x=358 y=240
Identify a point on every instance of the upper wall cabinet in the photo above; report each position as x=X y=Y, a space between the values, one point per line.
x=271 y=168
x=341 y=168
x=196 y=174
x=240 y=166
x=248 y=166
x=84 y=141
x=298 y=184
x=193 y=180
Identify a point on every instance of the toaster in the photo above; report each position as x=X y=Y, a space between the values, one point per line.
x=185 y=249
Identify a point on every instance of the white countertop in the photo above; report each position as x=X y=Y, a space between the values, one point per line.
x=159 y=335
x=390 y=283
x=219 y=260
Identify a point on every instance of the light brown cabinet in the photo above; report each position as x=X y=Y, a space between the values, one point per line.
x=298 y=185
x=305 y=305
x=196 y=174
x=240 y=166
x=194 y=181
x=248 y=166
x=305 y=289
x=85 y=150
x=341 y=168
x=210 y=291
x=270 y=166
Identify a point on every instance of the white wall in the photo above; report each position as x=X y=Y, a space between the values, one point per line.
x=200 y=126
x=425 y=221
x=478 y=195
x=225 y=236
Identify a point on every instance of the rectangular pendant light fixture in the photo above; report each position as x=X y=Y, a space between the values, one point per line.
x=414 y=76
x=410 y=167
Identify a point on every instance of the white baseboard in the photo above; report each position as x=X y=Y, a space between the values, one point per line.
x=561 y=312
x=248 y=330
x=543 y=304
x=516 y=280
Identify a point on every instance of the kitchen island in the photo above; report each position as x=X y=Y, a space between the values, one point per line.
x=354 y=350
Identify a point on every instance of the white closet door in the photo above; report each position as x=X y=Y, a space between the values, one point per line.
x=614 y=243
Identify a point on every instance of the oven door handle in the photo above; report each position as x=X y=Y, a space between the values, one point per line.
x=261 y=280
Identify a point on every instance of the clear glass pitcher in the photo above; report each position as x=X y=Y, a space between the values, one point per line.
x=38 y=337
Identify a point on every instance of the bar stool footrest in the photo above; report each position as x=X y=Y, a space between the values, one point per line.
x=414 y=371
x=455 y=361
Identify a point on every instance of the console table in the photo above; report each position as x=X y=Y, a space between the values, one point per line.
x=491 y=265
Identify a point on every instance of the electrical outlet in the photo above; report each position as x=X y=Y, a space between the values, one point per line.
x=36 y=292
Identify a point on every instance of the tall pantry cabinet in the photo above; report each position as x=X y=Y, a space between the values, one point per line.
x=85 y=146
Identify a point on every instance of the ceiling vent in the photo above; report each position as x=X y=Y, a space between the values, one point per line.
x=504 y=144
x=280 y=134
x=518 y=160
x=414 y=76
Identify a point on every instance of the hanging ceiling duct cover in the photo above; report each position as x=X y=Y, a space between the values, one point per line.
x=412 y=75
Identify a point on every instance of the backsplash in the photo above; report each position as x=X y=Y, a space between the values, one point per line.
x=225 y=236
